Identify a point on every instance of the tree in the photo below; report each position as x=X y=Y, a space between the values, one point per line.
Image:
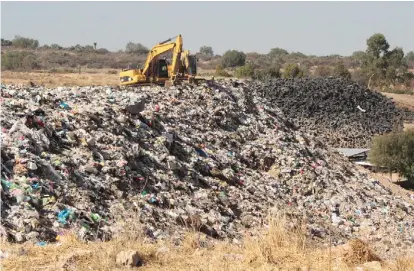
x=297 y=55
x=396 y=66
x=292 y=71
x=136 y=48
x=380 y=66
x=394 y=151
x=6 y=42
x=358 y=55
x=377 y=45
x=94 y=45
x=21 y=42
x=409 y=59
x=277 y=52
x=233 y=58
x=341 y=71
x=206 y=51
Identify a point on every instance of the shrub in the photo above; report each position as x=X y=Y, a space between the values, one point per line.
x=394 y=151
x=19 y=61
x=323 y=71
x=268 y=73
x=136 y=48
x=233 y=58
x=6 y=42
x=277 y=52
x=12 y=60
x=293 y=71
x=206 y=51
x=340 y=71
x=56 y=46
x=220 y=71
x=246 y=71
x=30 y=62
x=21 y=42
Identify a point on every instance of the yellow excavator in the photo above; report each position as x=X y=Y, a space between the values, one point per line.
x=157 y=70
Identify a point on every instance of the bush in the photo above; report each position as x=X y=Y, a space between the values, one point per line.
x=206 y=51
x=19 y=61
x=55 y=47
x=6 y=42
x=293 y=71
x=246 y=71
x=277 y=52
x=323 y=71
x=221 y=72
x=233 y=58
x=21 y=42
x=268 y=73
x=395 y=152
x=340 y=71
x=136 y=48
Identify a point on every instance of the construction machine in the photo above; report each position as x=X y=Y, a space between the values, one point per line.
x=157 y=70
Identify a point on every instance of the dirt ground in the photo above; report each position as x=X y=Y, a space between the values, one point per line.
x=86 y=78
x=402 y=100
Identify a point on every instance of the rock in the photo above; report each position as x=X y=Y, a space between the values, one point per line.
x=129 y=258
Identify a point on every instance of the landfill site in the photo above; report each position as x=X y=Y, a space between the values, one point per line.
x=217 y=158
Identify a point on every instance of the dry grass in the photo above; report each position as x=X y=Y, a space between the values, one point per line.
x=276 y=249
x=86 y=78
x=96 y=77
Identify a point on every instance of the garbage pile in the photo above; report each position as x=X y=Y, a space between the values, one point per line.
x=214 y=158
x=340 y=112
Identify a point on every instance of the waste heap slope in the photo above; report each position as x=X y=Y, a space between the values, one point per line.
x=340 y=112
x=213 y=158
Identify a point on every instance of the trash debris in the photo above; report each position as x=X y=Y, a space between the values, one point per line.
x=207 y=157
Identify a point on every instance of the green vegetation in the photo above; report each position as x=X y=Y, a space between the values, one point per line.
x=26 y=43
x=233 y=58
x=221 y=72
x=382 y=67
x=246 y=71
x=395 y=152
x=18 y=61
x=340 y=71
x=293 y=71
x=206 y=51
x=378 y=66
x=136 y=48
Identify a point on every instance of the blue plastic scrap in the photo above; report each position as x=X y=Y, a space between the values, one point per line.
x=64 y=215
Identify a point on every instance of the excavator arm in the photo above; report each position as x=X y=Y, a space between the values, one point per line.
x=183 y=66
x=164 y=47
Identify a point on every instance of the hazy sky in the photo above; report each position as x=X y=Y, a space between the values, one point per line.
x=319 y=28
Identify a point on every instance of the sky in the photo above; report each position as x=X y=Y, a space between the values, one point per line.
x=313 y=28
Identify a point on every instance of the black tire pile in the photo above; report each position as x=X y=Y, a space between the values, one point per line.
x=339 y=112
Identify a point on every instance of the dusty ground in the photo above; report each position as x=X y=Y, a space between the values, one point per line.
x=402 y=100
x=86 y=78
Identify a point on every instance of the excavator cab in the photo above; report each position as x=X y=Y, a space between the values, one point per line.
x=161 y=68
x=192 y=65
